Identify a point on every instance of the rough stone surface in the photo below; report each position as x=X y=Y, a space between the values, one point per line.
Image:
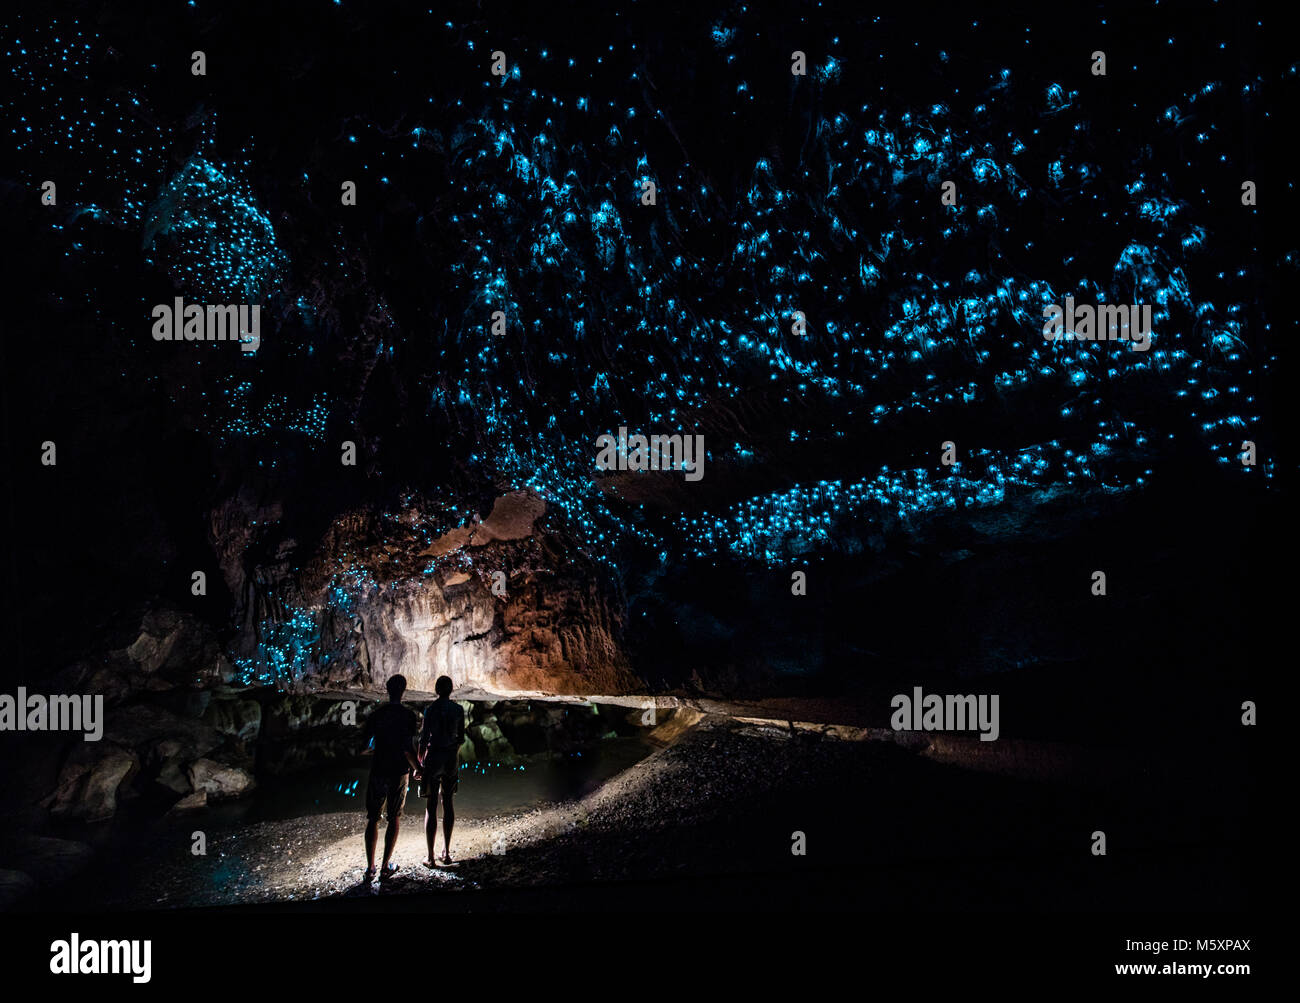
x=142 y=726
x=191 y=802
x=179 y=648
x=489 y=742
x=241 y=719
x=219 y=780
x=512 y=518
x=167 y=757
x=89 y=783
x=550 y=634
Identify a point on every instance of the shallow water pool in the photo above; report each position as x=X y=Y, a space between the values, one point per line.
x=486 y=789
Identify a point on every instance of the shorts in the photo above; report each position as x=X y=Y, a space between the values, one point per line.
x=385 y=794
x=440 y=771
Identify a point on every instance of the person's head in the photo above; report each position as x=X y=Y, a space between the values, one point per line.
x=396 y=687
x=443 y=686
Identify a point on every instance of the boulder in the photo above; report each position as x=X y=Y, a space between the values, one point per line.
x=241 y=719
x=178 y=648
x=143 y=726
x=106 y=780
x=164 y=743
x=219 y=780
x=90 y=781
x=490 y=744
x=167 y=759
x=191 y=802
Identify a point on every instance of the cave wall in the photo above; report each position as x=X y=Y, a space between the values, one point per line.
x=502 y=604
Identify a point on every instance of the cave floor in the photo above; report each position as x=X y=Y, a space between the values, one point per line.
x=711 y=820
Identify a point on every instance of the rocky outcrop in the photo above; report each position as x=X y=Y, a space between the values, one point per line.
x=176 y=648
x=236 y=717
x=144 y=726
x=189 y=803
x=88 y=785
x=549 y=634
x=145 y=748
x=219 y=780
x=489 y=743
x=496 y=603
x=171 y=769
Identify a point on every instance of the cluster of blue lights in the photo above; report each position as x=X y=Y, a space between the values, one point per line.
x=107 y=153
x=771 y=528
x=240 y=414
x=613 y=320
x=888 y=337
x=217 y=244
x=285 y=647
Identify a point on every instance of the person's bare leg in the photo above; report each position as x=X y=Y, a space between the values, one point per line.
x=390 y=838
x=372 y=837
x=430 y=829
x=448 y=820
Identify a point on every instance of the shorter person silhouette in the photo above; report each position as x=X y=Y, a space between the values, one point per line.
x=440 y=741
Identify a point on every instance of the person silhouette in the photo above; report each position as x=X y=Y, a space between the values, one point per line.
x=391 y=730
x=440 y=741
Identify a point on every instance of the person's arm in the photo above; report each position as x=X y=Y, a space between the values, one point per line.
x=423 y=750
x=368 y=735
x=409 y=750
x=460 y=728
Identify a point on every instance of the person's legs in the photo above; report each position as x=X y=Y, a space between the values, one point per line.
x=431 y=821
x=390 y=838
x=376 y=791
x=448 y=819
x=396 y=799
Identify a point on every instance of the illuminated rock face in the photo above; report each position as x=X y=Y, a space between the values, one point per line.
x=497 y=604
x=549 y=635
x=423 y=633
